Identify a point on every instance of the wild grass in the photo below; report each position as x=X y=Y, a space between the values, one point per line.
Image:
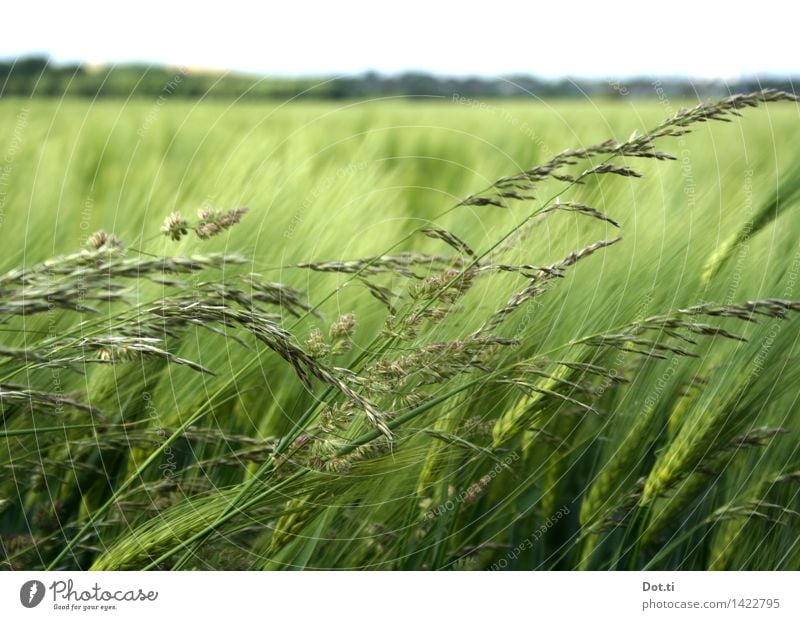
x=324 y=356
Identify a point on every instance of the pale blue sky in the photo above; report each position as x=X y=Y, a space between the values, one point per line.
x=594 y=39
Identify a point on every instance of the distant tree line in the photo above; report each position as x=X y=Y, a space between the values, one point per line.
x=38 y=76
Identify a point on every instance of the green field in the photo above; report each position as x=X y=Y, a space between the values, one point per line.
x=555 y=451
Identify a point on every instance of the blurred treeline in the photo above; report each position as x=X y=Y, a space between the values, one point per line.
x=38 y=76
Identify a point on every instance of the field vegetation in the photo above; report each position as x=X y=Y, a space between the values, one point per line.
x=395 y=334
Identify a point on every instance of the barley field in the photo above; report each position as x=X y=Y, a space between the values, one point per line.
x=389 y=335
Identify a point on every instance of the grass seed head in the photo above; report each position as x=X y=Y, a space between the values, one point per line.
x=175 y=226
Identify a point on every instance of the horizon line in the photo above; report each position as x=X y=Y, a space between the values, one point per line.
x=200 y=70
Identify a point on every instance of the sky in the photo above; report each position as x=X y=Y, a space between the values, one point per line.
x=602 y=39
